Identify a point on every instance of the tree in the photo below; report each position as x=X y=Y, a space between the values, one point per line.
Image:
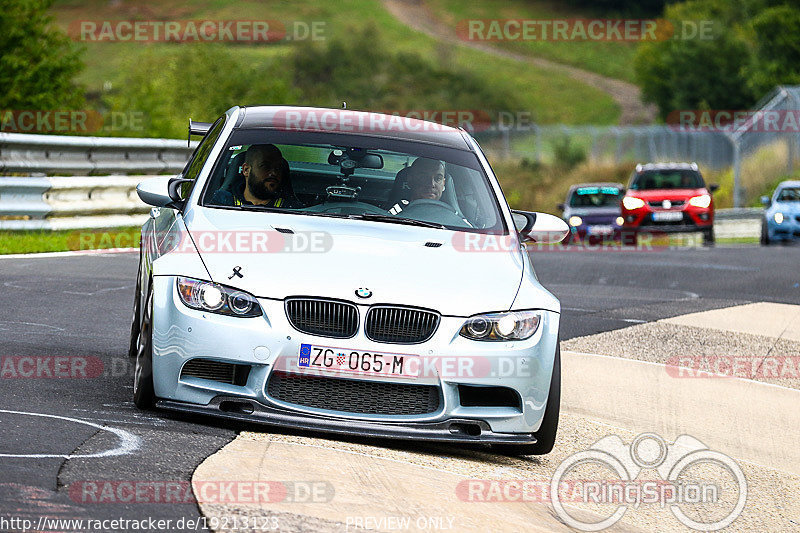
x=705 y=71
x=777 y=49
x=38 y=62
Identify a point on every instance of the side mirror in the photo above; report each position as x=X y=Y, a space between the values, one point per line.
x=162 y=191
x=766 y=201
x=713 y=188
x=540 y=227
x=560 y=206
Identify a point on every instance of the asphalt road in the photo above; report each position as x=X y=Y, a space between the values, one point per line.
x=79 y=307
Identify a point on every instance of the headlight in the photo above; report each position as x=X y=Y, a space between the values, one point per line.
x=704 y=200
x=778 y=217
x=620 y=221
x=511 y=326
x=208 y=296
x=631 y=202
x=575 y=221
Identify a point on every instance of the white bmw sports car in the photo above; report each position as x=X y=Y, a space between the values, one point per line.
x=348 y=272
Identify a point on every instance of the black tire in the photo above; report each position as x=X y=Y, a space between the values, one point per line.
x=143 y=393
x=132 y=344
x=708 y=236
x=764 y=234
x=546 y=436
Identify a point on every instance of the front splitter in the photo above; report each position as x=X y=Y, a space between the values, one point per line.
x=455 y=430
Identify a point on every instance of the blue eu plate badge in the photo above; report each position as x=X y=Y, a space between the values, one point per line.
x=305 y=355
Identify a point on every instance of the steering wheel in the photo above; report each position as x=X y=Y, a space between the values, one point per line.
x=433 y=203
x=438 y=211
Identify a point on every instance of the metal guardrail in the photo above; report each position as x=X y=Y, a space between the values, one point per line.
x=64 y=202
x=78 y=197
x=67 y=155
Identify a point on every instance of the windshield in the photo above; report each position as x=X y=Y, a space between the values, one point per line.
x=789 y=194
x=596 y=197
x=416 y=184
x=667 y=179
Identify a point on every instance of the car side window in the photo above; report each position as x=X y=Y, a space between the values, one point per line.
x=200 y=155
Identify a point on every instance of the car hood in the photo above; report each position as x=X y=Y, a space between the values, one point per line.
x=667 y=194
x=390 y=260
x=786 y=207
x=610 y=212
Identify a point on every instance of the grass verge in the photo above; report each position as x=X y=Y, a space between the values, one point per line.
x=27 y=242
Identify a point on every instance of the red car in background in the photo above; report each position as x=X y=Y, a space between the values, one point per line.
x=669 y=198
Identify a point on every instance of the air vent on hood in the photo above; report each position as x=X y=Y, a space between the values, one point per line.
x=284 y=230
x=431 y=244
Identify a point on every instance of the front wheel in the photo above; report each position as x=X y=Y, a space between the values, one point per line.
x=143 y=392
x=546 y=436
x=708 y=236
x=764 y=234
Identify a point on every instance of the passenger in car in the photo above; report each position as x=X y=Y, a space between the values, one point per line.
x=266 y=181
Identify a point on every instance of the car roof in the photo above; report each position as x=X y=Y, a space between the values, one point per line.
x=352 y=122
x=666 y=166
x=788 y=183
x=597 y=184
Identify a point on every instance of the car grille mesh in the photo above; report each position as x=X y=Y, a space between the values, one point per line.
x=353 y=396
x=659 y=203
x=216 y=371
x=323 y=317
x=400 y=325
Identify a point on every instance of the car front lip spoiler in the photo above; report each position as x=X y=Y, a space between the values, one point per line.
x=676 y=228
x=454 y=430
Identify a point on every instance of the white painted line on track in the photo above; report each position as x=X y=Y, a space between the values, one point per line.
x=128 y=442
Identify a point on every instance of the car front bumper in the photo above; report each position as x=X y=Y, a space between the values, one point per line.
x=269 y=342
x=787 y=230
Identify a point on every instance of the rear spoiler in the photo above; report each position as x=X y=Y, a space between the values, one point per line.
x=198 y=128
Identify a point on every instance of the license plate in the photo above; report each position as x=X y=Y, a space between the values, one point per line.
x=667 y=216
x=349 y=361
x=600 y=230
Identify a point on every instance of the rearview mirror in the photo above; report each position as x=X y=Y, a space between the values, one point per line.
x=541 y=228
x=560 y=207
x=713 y=188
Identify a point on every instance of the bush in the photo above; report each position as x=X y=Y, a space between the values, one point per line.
x=567 y=155
x=196 y=81
x=37 y=62
x=360 y=67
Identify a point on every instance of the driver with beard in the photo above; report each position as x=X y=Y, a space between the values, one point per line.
x=266 y=181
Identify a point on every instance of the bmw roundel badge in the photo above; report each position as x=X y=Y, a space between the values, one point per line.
x=363 y=293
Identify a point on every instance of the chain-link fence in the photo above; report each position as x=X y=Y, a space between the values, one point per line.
x=757 y=147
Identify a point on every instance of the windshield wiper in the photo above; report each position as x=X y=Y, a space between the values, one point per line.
x=396 y=220
x=256 y=207
x=363 y=216
x=269 y=209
